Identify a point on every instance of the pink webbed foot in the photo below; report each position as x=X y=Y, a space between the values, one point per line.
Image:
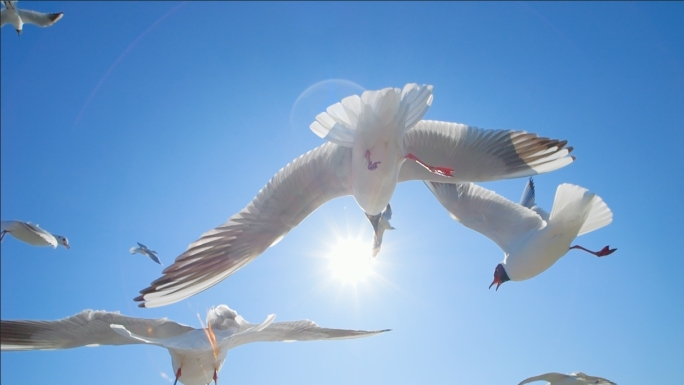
x=442 y=171
x=215 y=377
x=371 y=165
x=601 y=253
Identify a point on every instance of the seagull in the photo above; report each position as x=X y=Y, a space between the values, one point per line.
x=531 y=239
x=196 y=354
x=31 y=234
x=577 y=378
x=142 y=249
x=373 y=142
x=18 y=17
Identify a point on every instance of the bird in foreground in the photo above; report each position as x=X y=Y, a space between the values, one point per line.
x=142 y=249
x=196 y=354
x=531 y=239
x=31 y=234
x=374 y=141
x=18 y=17
x=577 y=378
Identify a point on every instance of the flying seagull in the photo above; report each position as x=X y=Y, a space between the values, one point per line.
x=31 y=234
x=18 y=17
x=196 y=354
x=142 y=249
x=374 y=141
x=531 y=239
x=577 y=378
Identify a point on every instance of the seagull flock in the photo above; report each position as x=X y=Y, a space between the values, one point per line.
x=373 y=142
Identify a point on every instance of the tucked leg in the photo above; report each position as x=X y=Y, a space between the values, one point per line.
x=601 y=253
x=178 y=374
x=371 y=165
x=443 y=171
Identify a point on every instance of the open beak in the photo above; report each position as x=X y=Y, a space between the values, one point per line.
x=497 y=282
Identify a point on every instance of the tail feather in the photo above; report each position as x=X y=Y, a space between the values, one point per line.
x=599 y=216
x=572 y=200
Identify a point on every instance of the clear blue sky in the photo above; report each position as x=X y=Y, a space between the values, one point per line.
x=154 y=122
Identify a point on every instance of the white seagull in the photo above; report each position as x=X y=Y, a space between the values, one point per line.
x=18 y=17
x=31 y=234
x=577 y=378
x=196 y=354
x=142 y=249
x=531 y=239
x=370 y=138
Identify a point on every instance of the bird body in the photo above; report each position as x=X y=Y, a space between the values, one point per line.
x=577 y=378
x=530 y=243
x=197 y=355
x=353 y=162
x=32 y=234
x=142 y=249
x=18 y=17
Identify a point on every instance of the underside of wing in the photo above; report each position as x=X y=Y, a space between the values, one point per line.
x=479 y=155
x=304 y=330
x=87 y=328
x=35 y=229
x=38 y=18
x=290 y=196
x=486 y=212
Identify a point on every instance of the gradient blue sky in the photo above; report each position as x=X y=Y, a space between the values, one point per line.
x=154 y=122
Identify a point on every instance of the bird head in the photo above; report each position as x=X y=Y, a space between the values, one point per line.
x=221 y=317
x=63 y=241
x=500 y=276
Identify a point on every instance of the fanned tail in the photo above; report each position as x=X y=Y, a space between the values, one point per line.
x=573 y=201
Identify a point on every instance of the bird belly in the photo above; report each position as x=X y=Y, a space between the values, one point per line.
x=537 y=256
x=197 y=367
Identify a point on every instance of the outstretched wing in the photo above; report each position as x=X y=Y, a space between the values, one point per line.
x=593 y=380
x=550 y=377
x=39 y=19
x=486 y=212
x=87 y=328
x=479 y=155
x=304 y=330
x=290 y=196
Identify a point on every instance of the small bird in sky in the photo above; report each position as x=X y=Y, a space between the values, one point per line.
x=18 y=17
x=142 y=249
x=196 y=354
x=32 y=234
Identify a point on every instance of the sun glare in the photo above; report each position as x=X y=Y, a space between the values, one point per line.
x=350 y=260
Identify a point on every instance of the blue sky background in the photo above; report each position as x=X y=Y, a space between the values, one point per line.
x=154 y=122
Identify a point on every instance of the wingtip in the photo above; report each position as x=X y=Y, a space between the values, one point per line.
x=54 y=17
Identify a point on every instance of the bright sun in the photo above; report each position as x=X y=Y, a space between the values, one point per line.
x=350 y=260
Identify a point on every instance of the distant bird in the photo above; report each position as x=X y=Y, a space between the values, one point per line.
x=196 y=354
x=531 y=239
x=380 y=223
x=31 y=234
x=142 y=249
x=18 y=17
x=374 y=141
x=577 y=378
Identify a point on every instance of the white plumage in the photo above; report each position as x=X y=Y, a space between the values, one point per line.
x=377 y=140
x=18 y=17
x=196 y=354
x=531 y=239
